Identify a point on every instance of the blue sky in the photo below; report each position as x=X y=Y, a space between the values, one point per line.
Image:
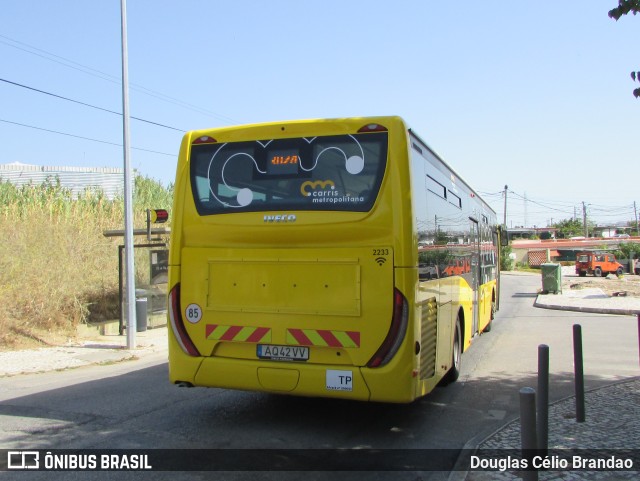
x=533 y=95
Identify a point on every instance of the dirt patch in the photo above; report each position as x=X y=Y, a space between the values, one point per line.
x=14 y=337
x=626 y=285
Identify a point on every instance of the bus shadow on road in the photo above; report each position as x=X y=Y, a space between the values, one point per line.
x=140 y=409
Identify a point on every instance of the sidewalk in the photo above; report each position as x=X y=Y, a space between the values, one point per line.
x=589 y=300
x=105 y=349
x=586 y=300
x=612 y=422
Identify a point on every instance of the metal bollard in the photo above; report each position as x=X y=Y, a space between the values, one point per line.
x=578 y=367
x=528 y=436
x=543 y=399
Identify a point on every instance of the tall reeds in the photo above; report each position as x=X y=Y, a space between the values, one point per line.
x=56 y=267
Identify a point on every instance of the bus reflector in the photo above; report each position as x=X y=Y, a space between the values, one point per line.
x=396 y=333
x=177 y=326
x=323 y=337
x=373 y=128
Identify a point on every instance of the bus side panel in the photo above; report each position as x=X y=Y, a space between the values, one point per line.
x=434 y=332
x=462 y=302
x=486 y=295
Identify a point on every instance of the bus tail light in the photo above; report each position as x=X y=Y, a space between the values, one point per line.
x=205 y=139
x=373 y=128
x=177 y=325
x=396 y=334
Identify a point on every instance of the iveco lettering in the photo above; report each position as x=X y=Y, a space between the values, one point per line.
x=280 y=218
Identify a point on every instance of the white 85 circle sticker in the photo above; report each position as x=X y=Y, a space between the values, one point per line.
x=193 y=313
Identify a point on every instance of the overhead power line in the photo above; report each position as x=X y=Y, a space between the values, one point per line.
x=86 y=104
x=611 y=209
x=38 y=52
x=83 y=138
x=603 y=212
x=546 y=206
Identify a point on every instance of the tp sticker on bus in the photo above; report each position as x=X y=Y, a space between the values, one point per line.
x=339 y=380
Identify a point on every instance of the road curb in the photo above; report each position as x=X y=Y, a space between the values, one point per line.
x=587 y=309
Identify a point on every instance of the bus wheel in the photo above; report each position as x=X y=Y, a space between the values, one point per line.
x=488 y=327
x=456 y=359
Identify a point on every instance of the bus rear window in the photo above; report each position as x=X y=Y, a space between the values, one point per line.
x=338 y=172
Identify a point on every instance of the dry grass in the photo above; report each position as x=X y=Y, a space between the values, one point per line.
x=56 y=268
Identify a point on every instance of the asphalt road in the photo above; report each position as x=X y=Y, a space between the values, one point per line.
x=133 y=406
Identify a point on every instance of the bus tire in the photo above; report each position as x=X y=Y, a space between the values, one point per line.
x=488 y=327
x=453 y=373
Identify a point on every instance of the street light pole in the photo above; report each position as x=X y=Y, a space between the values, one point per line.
x=130 y=287
x=505 y=205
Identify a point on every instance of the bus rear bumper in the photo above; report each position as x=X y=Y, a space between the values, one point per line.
x=344 y=382
x=393 y=383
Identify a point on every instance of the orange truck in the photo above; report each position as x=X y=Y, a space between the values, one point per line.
x=599 y=264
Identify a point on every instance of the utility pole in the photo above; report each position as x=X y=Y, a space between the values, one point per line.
x=130 y=287
x=635 y=212
x=505 y=205
x=584 y=219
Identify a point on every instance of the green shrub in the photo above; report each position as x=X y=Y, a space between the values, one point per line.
x=506 y=263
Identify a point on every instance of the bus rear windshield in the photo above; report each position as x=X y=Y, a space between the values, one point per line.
x=335 y=173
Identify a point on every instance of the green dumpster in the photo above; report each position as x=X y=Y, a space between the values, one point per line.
x=551 y=278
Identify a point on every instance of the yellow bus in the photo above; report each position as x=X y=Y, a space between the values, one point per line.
x=310 y=258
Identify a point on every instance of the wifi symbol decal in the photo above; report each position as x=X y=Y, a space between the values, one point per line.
x=381 y=260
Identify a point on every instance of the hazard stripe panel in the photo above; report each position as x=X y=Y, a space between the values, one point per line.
x=325 y=338
x=215 y=332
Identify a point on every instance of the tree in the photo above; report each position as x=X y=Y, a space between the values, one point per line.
x=625 y=7
x=568 y=228
x=628 y=250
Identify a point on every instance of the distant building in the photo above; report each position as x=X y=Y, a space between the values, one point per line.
x=531 y=232
x=77 y=179
x=608 y=231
